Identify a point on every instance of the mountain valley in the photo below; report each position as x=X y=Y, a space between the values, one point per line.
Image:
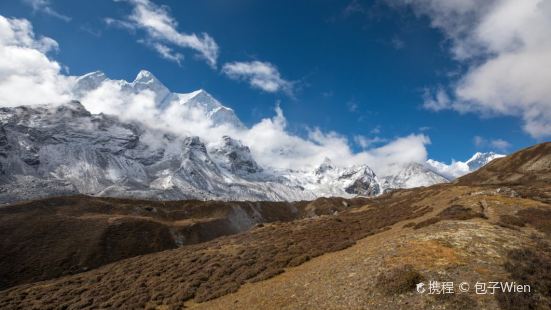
x=359 y=253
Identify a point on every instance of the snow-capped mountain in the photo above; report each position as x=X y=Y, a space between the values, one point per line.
x=56 y=150
x=329 y=180
x=412 y=175
x=460 y=168
x=481 y=159
x=65 y=149
x=235 y=157
x=164 y=99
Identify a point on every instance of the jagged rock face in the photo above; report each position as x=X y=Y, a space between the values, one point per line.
x=236 y=157
x=62 y=150
x=330 y=180
x=364 y=187
x=58 y=150
x=66 y=143
x=365 y=182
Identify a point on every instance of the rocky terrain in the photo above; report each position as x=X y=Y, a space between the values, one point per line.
x=491 y=225
x=62 y=150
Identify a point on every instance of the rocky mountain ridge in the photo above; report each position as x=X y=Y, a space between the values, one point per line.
x=60 y=150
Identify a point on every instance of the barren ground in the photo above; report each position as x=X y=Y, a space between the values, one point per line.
x=492 y=225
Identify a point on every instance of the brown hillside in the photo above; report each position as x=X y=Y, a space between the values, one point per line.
x=52 y=237
x=526 y=166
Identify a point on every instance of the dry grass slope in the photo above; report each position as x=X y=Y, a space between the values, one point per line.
x=49 y=238
x=210 y=269
x=492 y=225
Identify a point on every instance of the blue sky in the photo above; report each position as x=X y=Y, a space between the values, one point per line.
x=360 y=68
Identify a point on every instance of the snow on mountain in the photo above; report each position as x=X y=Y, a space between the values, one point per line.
x=55 y=150
x=145 y=80
x=459 y=168
x=235 y=157
x=481 y=159
x=412 y=175
x=328 y=180
x=215 y=111
x=88 y=82
x=65 y=149
x=163 y=97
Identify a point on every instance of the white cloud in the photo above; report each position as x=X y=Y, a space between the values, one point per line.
x=274 y=146
x=120 y=24
x=492 y=144
x=352 y=106
x=436 y=101
x=45 y=7
x=167 y=53
x=451 y=171
x=500 y=144
x=479 y=141
x=271 y=144
x=353 y=7
x=365 y=142
x=110 y=99
x=161 y=30
x=27 y=75
x=261 y=75
x=392 y=156
x=507 y=46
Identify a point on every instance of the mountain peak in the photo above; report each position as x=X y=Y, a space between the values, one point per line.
x=201 y=91
x=202 y=94
x=145 y=80
x=326 y=165
x=77 y=105
x=215 y=111
x=460 y=168
x=480 y=159
x=88 y=82
x=411 y=175
x=194 y=142
x=145 y=76
x=198 y=93
x=478 y=155
x=227 y=140
x=236 y=157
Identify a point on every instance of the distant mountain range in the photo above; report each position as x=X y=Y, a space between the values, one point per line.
x=65 y=149
x=460 y=168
